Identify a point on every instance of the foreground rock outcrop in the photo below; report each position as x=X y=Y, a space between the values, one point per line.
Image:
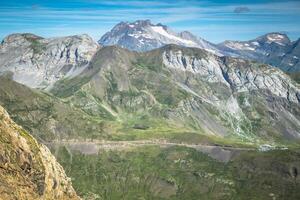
x=27 y=169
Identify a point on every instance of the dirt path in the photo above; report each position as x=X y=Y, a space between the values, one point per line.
x=223 y=154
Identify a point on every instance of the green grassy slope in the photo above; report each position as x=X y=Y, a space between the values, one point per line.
x=182 y=173
x=47 y=117
x=124 y=86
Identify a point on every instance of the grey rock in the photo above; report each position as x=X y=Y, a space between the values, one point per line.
x=38 y=62
x=273 y=48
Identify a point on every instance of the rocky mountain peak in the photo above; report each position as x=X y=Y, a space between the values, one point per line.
x=122 y=26
x=19 y=39
x=146 y=22
x=273 y=48
x=39 y=62
x=17 y=36
x=142 y=35
x=188 y=35
x=279 y=38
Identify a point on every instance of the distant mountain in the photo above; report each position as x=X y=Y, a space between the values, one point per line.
x=39 y=62
x=142 y=35
x=172 y=86
x=190 y=89
x=273 y=48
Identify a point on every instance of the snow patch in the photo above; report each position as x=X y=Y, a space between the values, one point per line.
x=275 y=38
x=239 y=46
x=160 y=30
x=147 y=36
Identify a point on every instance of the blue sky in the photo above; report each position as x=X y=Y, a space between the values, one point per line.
x=215 y=21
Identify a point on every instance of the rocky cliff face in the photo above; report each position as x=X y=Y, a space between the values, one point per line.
x=237 y=74
x=249 y=95
x=39 y=62
x=28 y=169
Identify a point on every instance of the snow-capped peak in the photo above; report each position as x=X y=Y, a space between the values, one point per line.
x=142 y=35
x=278 y=38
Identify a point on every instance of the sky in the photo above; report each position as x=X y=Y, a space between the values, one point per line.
x=214 y=21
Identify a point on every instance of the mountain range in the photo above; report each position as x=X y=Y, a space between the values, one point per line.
x=192 y=87
x=274 y=48
x=174 y=116
x=38 y=62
